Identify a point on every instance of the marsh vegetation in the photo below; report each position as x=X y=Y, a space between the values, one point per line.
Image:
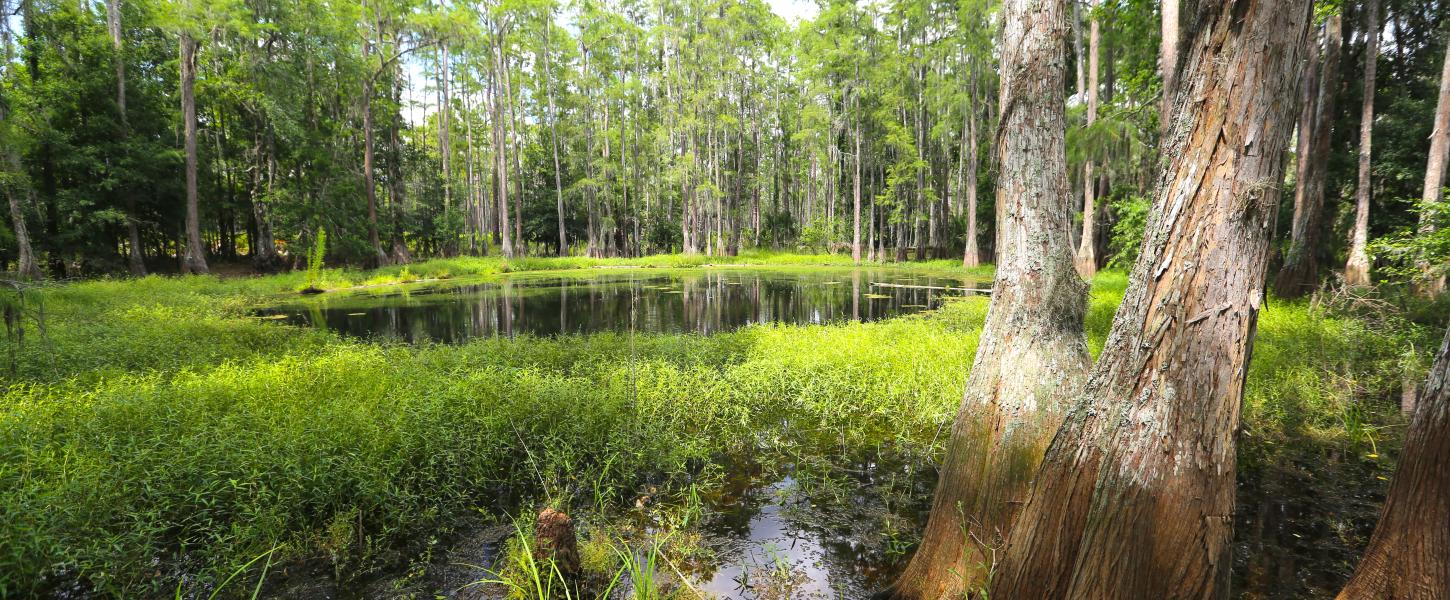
x=776 y=456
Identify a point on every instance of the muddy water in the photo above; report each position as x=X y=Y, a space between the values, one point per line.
x=699 y=301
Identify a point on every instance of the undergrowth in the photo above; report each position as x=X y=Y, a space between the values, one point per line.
x=156 y=430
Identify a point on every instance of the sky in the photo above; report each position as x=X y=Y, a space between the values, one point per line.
x=793 y=10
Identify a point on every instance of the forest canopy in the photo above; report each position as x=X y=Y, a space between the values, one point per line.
x=408 y=129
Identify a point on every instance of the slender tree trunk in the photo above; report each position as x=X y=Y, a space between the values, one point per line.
x=1087 y=260
x=1168 y=60
x=445 y=147
x=135 y=259
x=856 y=195
x=1299 y=273
x=515 y=140
x=380 y=258
x=1432 y=283
x=1032 y=356
x=1409 y=553
x=1356 y=269
x=1135 y=498
x=500 y=128
x=25 y=265
x=264 y=249
x=972 y=256
x=194 y=259
x=554 y=136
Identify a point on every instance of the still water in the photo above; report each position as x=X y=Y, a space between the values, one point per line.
x=691 y=301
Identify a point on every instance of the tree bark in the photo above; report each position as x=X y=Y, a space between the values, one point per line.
x=1300 y=271
x=1168 y=60
x=1087 y=260
x=1409 y=554
x=1032 y=354
x=1135 y=496
x=1356 y=269
x=1432 y=283
x=194 y=259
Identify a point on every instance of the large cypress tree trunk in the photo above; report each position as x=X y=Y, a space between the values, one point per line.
x=1432 y=283
x=1409 y=553
x=194 y=258
x=1356 y=269
x=1300 y=271
x=1135 y=496
x=1032 y=355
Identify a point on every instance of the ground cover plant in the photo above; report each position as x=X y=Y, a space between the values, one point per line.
x=157 y=433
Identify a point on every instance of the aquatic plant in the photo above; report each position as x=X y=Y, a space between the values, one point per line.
x=159 y=416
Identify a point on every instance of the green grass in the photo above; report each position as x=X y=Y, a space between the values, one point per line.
x=155 y=429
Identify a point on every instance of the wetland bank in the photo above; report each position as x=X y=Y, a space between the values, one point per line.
x=161 y=433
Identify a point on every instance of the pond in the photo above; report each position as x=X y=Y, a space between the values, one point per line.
x=701 y=301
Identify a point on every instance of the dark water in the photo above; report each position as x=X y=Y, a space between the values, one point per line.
x=696 y=301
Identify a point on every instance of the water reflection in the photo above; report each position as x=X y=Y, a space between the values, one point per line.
x=701 y=302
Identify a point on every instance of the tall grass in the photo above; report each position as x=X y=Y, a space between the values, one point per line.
x=158 y=425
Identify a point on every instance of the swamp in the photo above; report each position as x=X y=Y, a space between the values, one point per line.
x=738 y=431
x=725 y=299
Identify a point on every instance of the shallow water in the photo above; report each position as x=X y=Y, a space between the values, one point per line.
x=813 y=532
x=701 y=301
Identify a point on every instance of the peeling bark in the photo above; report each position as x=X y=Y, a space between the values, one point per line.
x=1136 y=493
x=1409 y=553
x=1032 y=352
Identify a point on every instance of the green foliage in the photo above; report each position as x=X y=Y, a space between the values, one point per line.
x=1131 y=212
x=315 y=257
x=230 y=436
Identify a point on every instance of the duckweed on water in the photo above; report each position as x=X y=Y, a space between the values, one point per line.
x=156 y=433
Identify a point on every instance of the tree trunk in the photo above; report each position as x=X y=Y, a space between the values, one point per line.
x=500 y=129
x=1299 y=273
x=380 y=258
x=1409 y=553
x=264 y=248
x=1432 y=283
x=134 y=258
x=972 y=256
x=856 y=196
x=25 y=265
x=1168 y=61
x=1033 y=354
x=445 y=147
x=1136 y=494
x=194 y=258
x=554 y=136
x=1087 y=260
x=1356 y=269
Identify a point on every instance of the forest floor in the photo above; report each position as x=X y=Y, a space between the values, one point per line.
x=156 y=436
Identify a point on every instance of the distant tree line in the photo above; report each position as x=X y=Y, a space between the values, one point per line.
x=165 y=135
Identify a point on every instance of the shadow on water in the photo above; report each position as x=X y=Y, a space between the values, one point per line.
x=701 y=302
